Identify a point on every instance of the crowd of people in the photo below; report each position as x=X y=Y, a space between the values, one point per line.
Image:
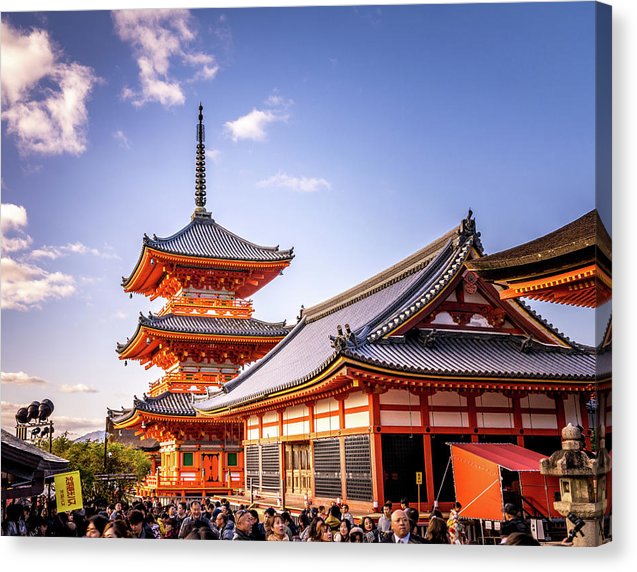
x=215 y=520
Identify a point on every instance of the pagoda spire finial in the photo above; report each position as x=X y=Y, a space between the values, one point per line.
x=200 y=170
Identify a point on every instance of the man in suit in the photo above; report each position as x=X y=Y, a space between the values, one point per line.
x=400 y=530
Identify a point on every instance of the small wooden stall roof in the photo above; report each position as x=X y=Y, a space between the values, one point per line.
x=571 y=265
x=26 y=466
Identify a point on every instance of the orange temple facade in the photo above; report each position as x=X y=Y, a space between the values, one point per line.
x=367 y=389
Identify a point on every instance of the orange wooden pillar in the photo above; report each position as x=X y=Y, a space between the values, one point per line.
x=378 y=480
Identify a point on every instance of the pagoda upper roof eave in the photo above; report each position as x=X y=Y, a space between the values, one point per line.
x=133 y=349
x=146 y=275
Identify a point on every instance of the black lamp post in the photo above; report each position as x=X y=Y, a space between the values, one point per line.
x=32 y=422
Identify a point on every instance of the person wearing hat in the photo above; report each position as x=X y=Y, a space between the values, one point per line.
x=513 y=522
x=356 y=534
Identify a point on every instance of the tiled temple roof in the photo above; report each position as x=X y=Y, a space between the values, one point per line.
x=208 y=325
x=205 y=238
x=585 y=237
x=174 y=404
x=468 y=355
x=380 y=305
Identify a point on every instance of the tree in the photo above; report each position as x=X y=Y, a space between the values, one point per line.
x=89 y=459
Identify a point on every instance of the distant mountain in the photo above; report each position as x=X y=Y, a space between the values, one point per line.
x=92 y=436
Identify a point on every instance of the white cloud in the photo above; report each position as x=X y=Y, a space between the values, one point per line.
x=7 y=413
x=21 y=378
x=54 y=252
x=77 y=388
x=121 y=138
x=299 y=184
x=252 y=126
x=76 y=425
x=44 y=98
x=13 y=218
x=158 y=37
x=26 y=286
x=213 y=155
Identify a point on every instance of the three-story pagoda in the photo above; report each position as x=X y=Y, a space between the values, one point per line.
x=201 y=338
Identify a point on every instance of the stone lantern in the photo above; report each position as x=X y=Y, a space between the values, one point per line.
x=582 y=485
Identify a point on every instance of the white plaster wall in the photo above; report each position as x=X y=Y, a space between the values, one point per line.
x=447 y=398
x=360 y=419
x=475 y=298
x=326 y=405
x=253 y=433
x=397 y=397
x=452 y=419
x=299 y=428
x=296 y=411
x=357 y=399
x=270 y=417
x=400 y=418
x=493 y=399
x=479 y=321
x=538 y=400
x=327 y=423
x=539 y=421
x=272 y=431
x=571 y=410
x=495 y=420
x=444 y=319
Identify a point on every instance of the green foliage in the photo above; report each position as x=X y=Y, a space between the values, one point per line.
x=91 y=459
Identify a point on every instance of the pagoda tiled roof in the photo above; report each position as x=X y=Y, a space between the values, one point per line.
x=180 y=324
x=203 y=237
x=585 y=239
x=168 y=403
x=380 y=305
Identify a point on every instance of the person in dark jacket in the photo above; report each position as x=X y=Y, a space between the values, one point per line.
x=400 y=530
x=513 y=522
x=138 y=525
x=243 y=523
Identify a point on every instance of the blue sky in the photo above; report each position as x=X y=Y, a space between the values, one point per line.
x=355 y=134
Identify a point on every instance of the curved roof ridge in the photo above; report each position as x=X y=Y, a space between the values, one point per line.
x=409 y=265
x=423 y=290
x=211 y=222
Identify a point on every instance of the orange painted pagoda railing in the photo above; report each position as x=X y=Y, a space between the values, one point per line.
x=214 y=307
x=192 y=480
x=185 y=382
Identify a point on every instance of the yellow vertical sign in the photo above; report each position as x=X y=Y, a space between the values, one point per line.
x=68 y=491
x=419 y=478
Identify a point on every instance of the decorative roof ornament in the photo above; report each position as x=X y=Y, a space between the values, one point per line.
x=200 y=171
x=468 y=230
